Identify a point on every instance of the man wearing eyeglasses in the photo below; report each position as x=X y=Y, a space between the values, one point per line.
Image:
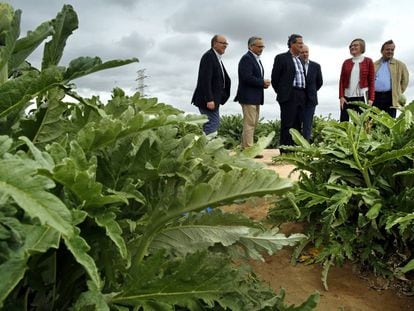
x=250 y=90
x=213 y=84
x=289 y=83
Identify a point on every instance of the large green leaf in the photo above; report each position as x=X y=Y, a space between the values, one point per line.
x=52 y=125
x=113 y=231
x=64 y=24
x=79 y=249
x=11 y=36
x=192 y=238
x=78 y=175
x=18 y=179
x=393 y=155
x=258 y=147
x=188 y=281
x=38 y=239
x=83 y=66
x=16 y=93
x=25 y=46
x=233 y=185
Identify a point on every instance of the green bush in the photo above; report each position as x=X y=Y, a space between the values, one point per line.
x=231 y=128
x=356 y=190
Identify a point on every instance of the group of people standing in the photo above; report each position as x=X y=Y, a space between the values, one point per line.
x=296 y=81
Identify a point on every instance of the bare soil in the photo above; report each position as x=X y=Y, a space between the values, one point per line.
x=348 y=289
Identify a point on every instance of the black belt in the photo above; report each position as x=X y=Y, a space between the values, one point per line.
x=386 y=92
x=299 y=88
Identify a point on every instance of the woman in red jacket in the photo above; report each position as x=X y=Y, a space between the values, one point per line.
x=356 y=83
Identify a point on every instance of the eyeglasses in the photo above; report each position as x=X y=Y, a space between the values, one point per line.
x=224 y=43
x=353 y=45
x=259 y=46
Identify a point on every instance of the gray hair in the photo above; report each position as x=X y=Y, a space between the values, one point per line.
x=252 y=40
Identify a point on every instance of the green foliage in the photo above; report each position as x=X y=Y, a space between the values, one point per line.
x=319 y=123
x=231 y=128
x=101 y=205
x=356 y=190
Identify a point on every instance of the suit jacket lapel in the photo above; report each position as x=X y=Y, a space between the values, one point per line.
x=253 y=58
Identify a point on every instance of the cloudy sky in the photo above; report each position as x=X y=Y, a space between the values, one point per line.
x=169 y=37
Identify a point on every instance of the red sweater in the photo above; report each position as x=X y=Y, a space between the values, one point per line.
x=366 y=76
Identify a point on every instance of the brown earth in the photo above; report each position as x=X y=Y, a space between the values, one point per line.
x=348 y=289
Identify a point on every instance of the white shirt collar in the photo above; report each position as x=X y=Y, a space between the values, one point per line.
x=217 y=54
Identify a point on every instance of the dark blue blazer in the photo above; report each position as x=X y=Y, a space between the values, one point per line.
x=251 y=83
x=210 y=83
x=283 y=74
x=314 y=82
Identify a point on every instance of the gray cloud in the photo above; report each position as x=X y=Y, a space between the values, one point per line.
x=169 y=38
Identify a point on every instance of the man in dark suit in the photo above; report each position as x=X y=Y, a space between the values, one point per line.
x=250 y=89
x=213 y=84
x=288 y=81
x=313 y=84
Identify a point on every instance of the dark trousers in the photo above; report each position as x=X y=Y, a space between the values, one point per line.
x=307 y=121
x=383 y=100
x=291 y=113
x=344 y=113
x=213 y=122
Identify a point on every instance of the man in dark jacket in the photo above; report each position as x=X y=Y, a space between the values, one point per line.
x=250 y=89
x=213 y=84
x=313 y=84
x=288 y=81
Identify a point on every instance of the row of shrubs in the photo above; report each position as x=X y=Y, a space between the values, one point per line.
x=231 y=128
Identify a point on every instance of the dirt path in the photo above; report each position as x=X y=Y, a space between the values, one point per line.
x=348 y=291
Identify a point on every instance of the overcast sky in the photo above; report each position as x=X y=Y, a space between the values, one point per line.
x=169 y=37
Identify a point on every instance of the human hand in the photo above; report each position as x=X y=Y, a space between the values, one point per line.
x=211 y=105
x=342 y=102
x=266 y=83
x=370 y=102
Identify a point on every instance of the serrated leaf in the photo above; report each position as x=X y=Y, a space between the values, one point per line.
x=189 y=239
x=185 y=281
x=6 y=51
x=16 y=93
x=26 y=45
x=226 y=187
x=299 y=139
x=83 y=66
x=64 y=24
x=113 y=230
x=19 y=180
x=259 y=146
x=79 y=249
x=38 y=239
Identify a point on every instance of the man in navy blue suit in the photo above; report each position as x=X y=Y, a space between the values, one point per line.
x=250 y=90
x=213 y=84
x=314 y=82
x=289 y=83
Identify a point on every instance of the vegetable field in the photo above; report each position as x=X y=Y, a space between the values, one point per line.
x=102 y=205
x=126 y=205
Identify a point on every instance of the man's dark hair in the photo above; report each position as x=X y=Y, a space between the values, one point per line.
x=292 y=39
x=386 y=43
